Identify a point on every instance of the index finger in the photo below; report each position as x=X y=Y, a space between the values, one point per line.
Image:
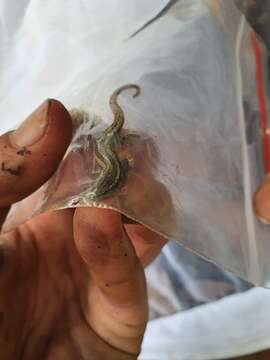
x=31 y=154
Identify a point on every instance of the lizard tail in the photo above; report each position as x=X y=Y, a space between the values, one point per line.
x=113 y=99
x=117 y=110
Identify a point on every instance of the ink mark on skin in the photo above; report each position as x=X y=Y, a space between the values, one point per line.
x=15 y=172
x=24 y=151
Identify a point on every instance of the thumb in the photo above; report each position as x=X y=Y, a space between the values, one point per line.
x=31 y=154
x=117 y=294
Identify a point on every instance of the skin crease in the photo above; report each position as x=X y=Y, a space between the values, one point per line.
x=72 y=284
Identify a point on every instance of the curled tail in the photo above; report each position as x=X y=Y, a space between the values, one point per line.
x=117 y=111
x=113 y=99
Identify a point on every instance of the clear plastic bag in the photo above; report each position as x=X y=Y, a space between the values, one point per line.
x=194 y=133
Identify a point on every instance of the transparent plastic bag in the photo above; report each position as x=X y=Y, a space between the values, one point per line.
x=192 y=138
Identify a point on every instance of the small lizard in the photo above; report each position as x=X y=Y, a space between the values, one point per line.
x=113 y=171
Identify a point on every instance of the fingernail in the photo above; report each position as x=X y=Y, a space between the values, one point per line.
x=33 y=128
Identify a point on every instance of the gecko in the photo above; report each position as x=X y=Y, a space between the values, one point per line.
x=113 y=171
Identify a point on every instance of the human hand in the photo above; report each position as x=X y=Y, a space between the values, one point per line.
x=72 y=284
x=261 y=201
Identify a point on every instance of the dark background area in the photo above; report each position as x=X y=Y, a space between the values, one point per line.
x=258 y=15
